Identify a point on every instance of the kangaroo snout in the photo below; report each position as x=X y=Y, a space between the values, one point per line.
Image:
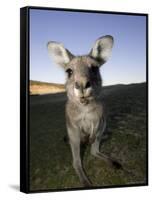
x=83 y=90
x=82 y=86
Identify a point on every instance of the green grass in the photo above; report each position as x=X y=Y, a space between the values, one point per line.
x=50 y=157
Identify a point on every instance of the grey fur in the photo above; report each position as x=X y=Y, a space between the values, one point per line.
x=85 y=115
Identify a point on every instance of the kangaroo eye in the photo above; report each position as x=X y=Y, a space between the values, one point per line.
x=94 y=69
x=69 y=72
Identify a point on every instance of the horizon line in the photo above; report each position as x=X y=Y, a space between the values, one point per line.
x=102 y=84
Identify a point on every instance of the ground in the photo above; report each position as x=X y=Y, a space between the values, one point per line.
x=50 y=156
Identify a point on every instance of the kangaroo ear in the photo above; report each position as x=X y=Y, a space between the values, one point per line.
x=60 y=55
x=102 y=49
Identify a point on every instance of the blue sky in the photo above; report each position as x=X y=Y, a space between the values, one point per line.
x=78 y=32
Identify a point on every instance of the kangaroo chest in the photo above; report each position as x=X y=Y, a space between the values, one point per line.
x=84 y=120
x=88 y=120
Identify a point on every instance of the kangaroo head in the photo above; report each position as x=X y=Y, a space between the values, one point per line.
x=83 y=78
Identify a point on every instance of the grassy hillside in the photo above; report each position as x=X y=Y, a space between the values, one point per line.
x=38 y=87
x=50 y=157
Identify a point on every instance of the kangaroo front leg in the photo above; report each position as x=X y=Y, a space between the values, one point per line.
x=77 y=164
x=95 y=147
x=95 y=150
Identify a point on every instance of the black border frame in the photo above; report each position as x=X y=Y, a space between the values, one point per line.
x=24 y=97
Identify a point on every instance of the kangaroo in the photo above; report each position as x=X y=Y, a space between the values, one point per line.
x=85 y=113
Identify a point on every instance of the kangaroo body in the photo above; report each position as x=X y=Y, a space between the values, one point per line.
x=85 y=115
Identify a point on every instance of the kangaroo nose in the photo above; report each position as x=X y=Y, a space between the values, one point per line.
x=85 y=86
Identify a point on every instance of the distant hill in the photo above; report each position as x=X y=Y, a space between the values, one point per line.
x=122 y=88
x=38 y=87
